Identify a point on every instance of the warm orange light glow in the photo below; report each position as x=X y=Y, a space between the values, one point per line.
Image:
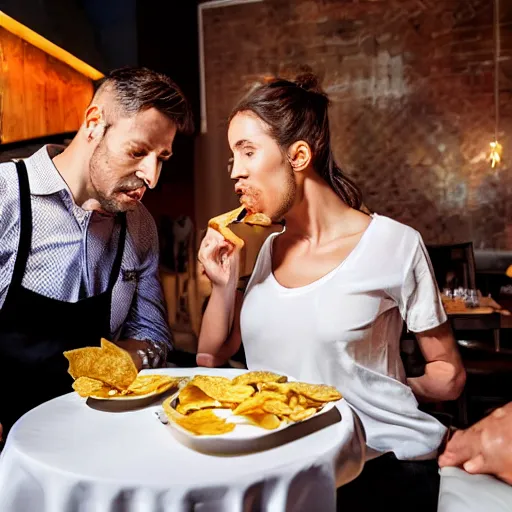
x=48 y=47
x=495 y=154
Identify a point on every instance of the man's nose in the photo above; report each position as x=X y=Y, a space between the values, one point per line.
x=149 y=171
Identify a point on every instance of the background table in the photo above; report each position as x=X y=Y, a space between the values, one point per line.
x=462 y=492
x=67 y=456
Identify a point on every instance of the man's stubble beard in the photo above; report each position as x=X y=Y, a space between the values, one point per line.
x=98 y=165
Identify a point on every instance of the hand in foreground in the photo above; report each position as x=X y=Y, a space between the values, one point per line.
x=486 y=447
x=220 y=259
x=133 y=346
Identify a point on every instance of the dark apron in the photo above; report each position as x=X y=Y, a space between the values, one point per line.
x=35 y=330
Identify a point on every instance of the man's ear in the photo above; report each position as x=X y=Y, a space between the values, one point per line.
x=299 y=155
x=94 y=122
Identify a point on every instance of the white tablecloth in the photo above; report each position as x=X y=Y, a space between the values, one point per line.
x=462 y=492
x=67 y=456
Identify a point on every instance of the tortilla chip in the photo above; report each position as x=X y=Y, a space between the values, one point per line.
x=221 y=224
x=85 y=387
x=256 y=377
x=145 y=384
x=257 y=219
x=203 y=422
x=257 y=401
x=316 y=392
x=221 y=388
x=191 y=398
x=109 y=364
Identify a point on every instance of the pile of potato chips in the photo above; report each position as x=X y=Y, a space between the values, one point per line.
x=109 y=372
x=265 y=399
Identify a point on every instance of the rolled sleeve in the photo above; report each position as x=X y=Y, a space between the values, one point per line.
x=147 y=318
x=420 y=303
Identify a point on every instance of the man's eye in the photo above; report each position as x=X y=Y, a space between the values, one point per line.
x=138 y=154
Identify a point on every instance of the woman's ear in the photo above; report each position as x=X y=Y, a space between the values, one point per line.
x=299 y=155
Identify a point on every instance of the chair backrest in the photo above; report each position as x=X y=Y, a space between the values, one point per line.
x=454 y=265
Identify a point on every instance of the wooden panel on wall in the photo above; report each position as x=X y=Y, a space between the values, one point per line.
x=39 y=95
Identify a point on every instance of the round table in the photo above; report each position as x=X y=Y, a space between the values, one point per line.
x=67 y=456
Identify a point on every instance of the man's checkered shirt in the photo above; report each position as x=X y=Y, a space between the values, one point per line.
x=73 y=251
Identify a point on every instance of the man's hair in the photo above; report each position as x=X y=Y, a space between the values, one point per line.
x=138 y=89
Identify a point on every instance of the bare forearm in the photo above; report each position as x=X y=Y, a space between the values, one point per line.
x=442 y=381
x=217 y=320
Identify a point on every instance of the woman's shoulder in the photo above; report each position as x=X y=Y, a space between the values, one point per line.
x=394 y=236
x=392 y=227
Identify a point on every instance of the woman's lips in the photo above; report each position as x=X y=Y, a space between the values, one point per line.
x=248 y=202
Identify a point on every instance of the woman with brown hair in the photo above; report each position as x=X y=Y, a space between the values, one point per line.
x=328 y=296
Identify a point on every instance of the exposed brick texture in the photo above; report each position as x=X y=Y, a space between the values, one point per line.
x=411 y=84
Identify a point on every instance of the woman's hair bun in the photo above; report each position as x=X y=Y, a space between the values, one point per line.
x=308 y=81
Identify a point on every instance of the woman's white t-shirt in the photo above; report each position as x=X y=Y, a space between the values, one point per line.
x=344 y=330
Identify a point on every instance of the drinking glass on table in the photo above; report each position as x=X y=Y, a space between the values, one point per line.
x=447 y=292
x=472 y=299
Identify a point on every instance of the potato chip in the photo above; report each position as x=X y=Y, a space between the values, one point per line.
x=222 y=389
x=264 y=420
x=250 y=405
x=257 y=377
x=273 y=395
x=302 y=415
x=277 y=407
x=256 y=402
x=302 y=400
x=109 y=364
x=191 y=398
x=204 y=422
x=229 y=405
x=313 y=403
x=294 y=400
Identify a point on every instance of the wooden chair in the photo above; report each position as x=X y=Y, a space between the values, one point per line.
x=454 y=265
x=478 y=337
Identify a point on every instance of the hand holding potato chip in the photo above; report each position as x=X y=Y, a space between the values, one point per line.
x=220 y=259
x=222 y=222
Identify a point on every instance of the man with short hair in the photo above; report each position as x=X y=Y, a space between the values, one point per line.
x=78 y=251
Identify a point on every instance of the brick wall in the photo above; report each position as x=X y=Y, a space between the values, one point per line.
x=411 y=84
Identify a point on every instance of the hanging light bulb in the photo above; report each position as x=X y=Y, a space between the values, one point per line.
x=495 y=154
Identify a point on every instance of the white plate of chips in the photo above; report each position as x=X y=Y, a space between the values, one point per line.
x=144 y=390
x=251 y=412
